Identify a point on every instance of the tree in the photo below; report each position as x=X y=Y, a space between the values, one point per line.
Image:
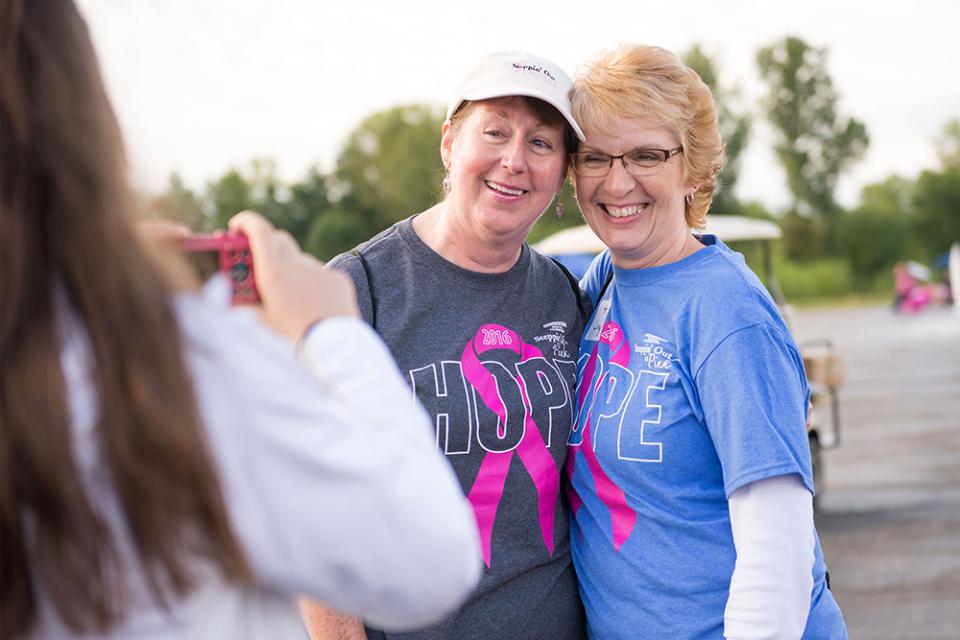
x=306 y=200
x=893 y=196
x=292 y=208
x=936 y=197
x=876 y=234
x=228 y=195
x=814 y=143
x=936 y=202
x=734 y=129
x=255 y=187
x=804 y=237
x=178 y=203
x=389 y=169
x=948 y=146
x=390 y=166
x=332 y=232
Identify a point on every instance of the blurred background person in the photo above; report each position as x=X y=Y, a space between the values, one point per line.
x=486 y=330
x=168 y=468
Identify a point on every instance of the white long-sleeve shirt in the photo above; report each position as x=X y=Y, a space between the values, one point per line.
x=330 y=478
x=772 y=523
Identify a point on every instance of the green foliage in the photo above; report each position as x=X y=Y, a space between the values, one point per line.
x=734 y=126
x=306 y=200
x=876 y=234
x=227 y=195
x=872 y=240
x=178 y=203
x=336 y=231
x=255 y=188
x=804 y=237
x=948 y=146
x=822 y=278
x=814 y=143
x=892 y=196
x=936 y=217
x=390 y=167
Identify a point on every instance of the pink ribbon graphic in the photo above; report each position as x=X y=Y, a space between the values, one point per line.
x=488 y=486
x=622 y=517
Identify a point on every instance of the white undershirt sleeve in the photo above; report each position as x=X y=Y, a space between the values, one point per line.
x=772 y=583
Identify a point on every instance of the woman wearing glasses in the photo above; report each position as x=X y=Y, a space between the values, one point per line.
x=690 y=472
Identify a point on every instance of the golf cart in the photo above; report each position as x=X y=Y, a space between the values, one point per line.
x=576 y=247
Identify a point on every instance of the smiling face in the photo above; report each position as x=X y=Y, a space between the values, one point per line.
x=505 y=167
x=640 y=218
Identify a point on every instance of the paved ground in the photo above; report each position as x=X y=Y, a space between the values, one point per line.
x=889 y=519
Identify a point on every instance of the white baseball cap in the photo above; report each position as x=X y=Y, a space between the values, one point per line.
x=518 y=73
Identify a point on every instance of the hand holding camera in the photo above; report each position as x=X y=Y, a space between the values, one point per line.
x=294 y=287
x=226 y=253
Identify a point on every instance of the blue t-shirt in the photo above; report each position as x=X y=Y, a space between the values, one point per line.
x=689 y=387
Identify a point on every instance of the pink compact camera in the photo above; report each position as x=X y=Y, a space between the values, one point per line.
x=226 y=253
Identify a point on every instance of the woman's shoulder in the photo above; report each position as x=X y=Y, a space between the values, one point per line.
x=547 y=264
x=724 y=296
x=386 y=244
x=598 y=274
x=718 y=276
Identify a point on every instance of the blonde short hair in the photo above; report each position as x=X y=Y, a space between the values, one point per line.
x=641 y=81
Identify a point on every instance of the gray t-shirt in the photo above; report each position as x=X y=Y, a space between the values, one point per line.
x=493 y=359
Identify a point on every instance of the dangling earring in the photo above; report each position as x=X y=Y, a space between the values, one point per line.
x=445 y=185
x=558 y=210
x=688 y=199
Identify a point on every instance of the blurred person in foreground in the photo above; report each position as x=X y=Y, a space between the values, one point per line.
x=691 y=482
x=486 y=331
x=159 y=448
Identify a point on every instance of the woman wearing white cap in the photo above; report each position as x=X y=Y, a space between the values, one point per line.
x=486 y=332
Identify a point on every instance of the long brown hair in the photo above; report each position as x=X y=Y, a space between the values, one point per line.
x=67 y=234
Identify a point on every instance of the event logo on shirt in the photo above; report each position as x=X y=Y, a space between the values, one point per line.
x=508 y=397
x=653 y=353
x=557 y=338
x=610 y=332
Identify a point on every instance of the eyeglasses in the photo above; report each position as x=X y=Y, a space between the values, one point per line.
x=639 y=162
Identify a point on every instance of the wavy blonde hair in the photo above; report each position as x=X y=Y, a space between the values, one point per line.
x=640 y=81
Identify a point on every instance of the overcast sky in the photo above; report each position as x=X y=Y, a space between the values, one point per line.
x=204 y=85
